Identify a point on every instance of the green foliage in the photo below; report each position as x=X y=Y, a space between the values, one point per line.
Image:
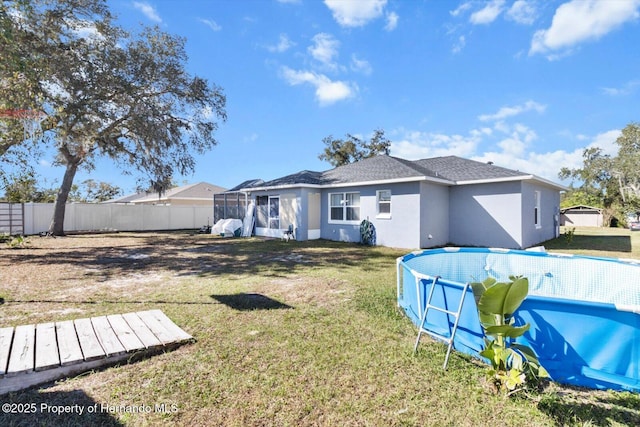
x=514 y=367
x=133 y=101
x=606 y=181
x=340 y=152
x=568 y=235
x=579 y=197
x=17 y=242
x=24 y=188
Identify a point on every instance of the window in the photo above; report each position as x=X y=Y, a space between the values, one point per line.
x=383 y=198
x=536 y=209
x=274 y=212
x=344 y=207
x=268 y=212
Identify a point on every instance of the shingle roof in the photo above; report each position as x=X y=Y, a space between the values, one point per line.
x=377 y=168
x=250 y=183
x=200 y=190
x=448 y=169
x=458 y=169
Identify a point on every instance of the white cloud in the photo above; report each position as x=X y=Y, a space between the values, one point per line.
x=627 y=89
x=548 y=165
x=324 y=49
x=607 y=142
x=582 y=20
x=488 y=14
x=148 y=10
x=355 y=13
x=512 y=151
x=522 y=12
x=327 y=91
x=505 y=112
x=461 y=9
x=211 y=24
x=459 y=45
x=361 y=65
x=392 y=21
x=413 y=145
x=283 y=45
x=250 y=138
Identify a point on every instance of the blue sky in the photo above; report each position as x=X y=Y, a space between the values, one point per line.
x=527 y=84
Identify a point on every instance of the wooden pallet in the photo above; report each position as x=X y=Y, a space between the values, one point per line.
x=36 y=354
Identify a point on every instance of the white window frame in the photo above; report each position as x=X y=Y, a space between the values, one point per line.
x=536 y=209
x=344 y=206
x=379 y=213
x=273 y=219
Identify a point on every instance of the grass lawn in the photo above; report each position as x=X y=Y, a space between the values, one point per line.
x=287 y=334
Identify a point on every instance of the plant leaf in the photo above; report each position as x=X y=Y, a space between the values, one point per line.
x=507 y=330
x=492 y=301
x=518 y=290
x=478 y=288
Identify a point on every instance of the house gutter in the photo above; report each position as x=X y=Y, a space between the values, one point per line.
x=514 y=178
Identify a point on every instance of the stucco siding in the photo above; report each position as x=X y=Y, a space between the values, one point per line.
x=548 y=215
x=486 y=215
x=399 y=229
x=402 y=228
x=434 y=215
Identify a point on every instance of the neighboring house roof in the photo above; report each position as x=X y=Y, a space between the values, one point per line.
x=199 y=191
x=449 y=170
x=581 y=208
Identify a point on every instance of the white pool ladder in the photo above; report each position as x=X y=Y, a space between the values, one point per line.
x=446 y=336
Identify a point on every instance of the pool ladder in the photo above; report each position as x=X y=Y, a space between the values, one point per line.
x=446 y=336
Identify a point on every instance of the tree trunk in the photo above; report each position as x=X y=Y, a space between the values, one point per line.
x=57 y=222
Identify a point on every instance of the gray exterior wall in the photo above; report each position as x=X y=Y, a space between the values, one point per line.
x=434 y=218
x=548 y=227
x=401 y=229
x=503 y=214
x=486 y=215
x=425 y=214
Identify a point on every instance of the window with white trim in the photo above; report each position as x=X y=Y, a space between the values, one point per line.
x=344 y=207
x=383 y=201
x=536 y=209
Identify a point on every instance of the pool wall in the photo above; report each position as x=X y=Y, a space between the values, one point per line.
x=584 y=311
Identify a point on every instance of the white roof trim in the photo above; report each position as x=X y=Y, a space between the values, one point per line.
x=408 y=179
x=352 y=184
x=512 y=178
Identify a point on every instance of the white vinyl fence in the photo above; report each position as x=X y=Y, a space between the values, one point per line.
x=116 y=217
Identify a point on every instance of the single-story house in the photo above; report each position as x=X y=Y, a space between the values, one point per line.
x=581 y=216
x=191 y=194
x=412 y=204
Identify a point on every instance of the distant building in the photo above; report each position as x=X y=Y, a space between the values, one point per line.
x=581 y=216
x=192 y=194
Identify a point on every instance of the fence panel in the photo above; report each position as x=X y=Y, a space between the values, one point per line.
x=12 y=218
x=114 y=217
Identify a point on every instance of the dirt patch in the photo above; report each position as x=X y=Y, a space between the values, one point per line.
x=308 y=290
x=67 y=273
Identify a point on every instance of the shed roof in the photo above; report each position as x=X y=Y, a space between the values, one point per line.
x=581 y=208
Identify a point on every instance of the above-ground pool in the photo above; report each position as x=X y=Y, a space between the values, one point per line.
x=584 y=311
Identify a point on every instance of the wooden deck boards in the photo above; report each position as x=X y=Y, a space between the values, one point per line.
x=35 y=354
